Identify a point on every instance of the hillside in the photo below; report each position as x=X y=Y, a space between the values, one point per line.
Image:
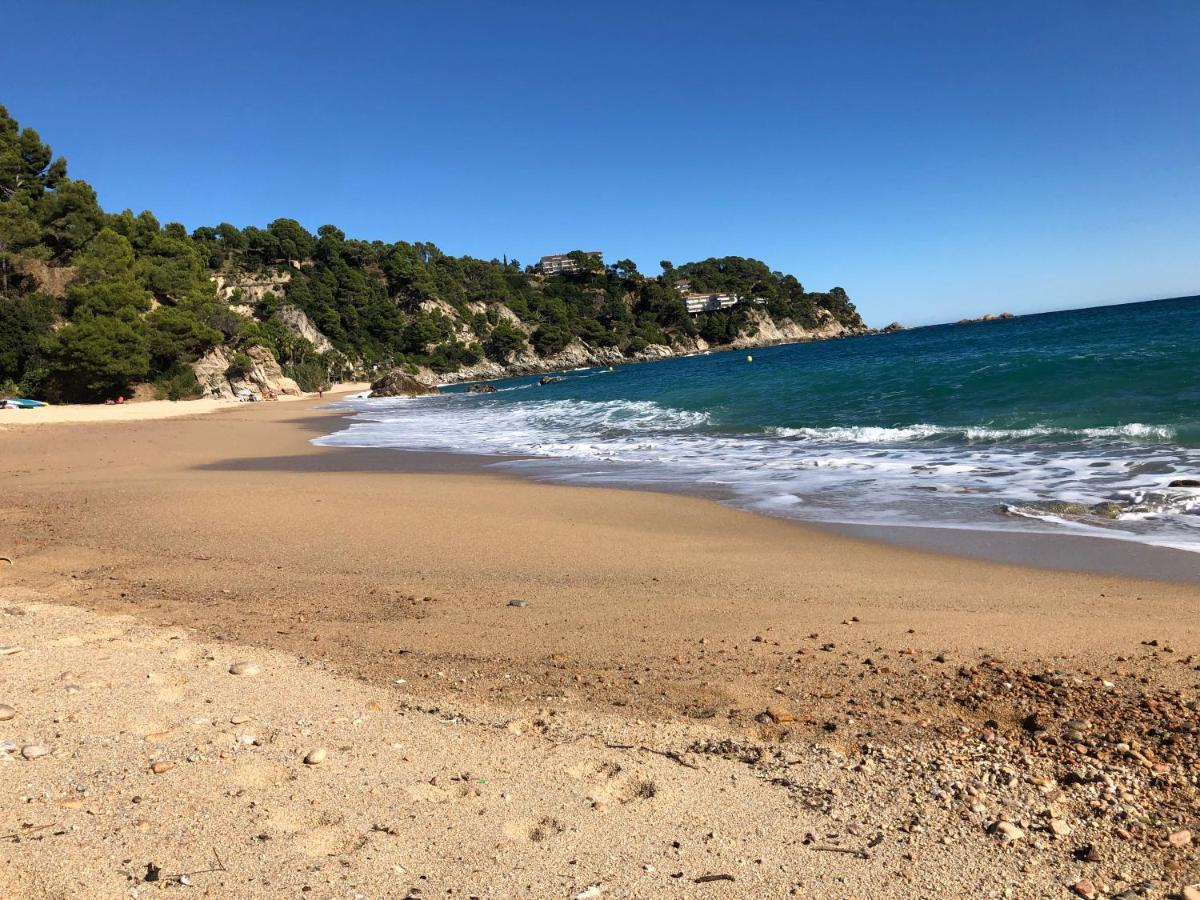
x=94 y=304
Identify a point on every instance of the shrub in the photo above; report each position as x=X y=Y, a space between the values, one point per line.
x=178 y=384
x=239 y=365
x=310 y=375
x=503 y=342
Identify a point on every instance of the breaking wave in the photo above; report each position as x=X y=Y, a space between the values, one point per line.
x=1112 y=480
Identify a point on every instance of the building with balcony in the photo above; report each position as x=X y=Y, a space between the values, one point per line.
x=562 y=264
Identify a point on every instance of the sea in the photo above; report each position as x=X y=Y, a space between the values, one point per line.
x=1082 y=421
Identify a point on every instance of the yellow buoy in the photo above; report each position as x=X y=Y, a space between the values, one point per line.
x=749 y=358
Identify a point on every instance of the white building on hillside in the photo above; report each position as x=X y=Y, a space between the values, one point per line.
x=698 y=303
x=561 y=263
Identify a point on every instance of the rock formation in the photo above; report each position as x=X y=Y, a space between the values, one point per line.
x=262 y=377
x=399 y=383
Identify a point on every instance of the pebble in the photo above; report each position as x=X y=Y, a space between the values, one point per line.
x=1006 y=831
x=1059 y=828
x=779 y=715
x=249 y=667
x=315 y=757
x=239 y=719
x=35 y=751
x=1084 y=888
x=1180 y=838
x=1190 y=892
x=163 y=765
x=6 y=712
x=520 y=603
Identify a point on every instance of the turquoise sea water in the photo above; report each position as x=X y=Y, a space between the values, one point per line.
x=1067 y=421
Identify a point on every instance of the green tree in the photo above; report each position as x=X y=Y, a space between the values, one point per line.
x=70 y=216
x=108 y=255
x=107 y=298
x=96 y=359
x=503 y=342
x=23 y=322
x=177 y=336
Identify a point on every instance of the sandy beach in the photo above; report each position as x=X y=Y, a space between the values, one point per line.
x=545 y=691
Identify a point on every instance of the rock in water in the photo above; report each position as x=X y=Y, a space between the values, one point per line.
x=248 y=667
x=398 y=383
x=481 y=389
x=315 y=757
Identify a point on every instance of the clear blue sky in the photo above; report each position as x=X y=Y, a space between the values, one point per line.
x=936 y=159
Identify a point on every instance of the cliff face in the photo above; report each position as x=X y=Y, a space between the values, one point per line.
x=579 y=354
x=263 y=376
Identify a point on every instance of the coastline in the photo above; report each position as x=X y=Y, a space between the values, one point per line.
x=776 y=660
x=1062 y=551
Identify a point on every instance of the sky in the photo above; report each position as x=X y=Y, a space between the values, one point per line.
x=935 y=158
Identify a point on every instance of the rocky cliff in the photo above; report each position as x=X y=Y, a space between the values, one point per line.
x=217 y=377
x=762 y=331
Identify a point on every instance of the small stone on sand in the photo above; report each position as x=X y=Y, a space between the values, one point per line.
x=34 y=751
x=6 y=712
x=249 y=667
x=1007 y=831
x=163 y=765
x=780 y=715
x=315 y=757
x=521 y=603
x=1084 y=888
x=1180 y=838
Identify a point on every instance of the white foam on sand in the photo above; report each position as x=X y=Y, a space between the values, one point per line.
x=921 y=474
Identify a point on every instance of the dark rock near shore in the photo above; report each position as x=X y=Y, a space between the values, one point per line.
x=481 y=389
x=398 y=383
x=1185 y=482
x=550 y=379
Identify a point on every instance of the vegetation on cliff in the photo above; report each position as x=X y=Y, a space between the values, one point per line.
x=93 y=303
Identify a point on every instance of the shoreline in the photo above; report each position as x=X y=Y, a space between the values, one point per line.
x=1062 y=551
x=680 y=679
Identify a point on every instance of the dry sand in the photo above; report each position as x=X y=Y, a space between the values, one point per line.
x=914 y=699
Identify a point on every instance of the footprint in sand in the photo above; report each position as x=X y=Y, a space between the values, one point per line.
x=533 y=831
x=597 y=771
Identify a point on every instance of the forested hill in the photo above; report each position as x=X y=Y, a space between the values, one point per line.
x=94 y=304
